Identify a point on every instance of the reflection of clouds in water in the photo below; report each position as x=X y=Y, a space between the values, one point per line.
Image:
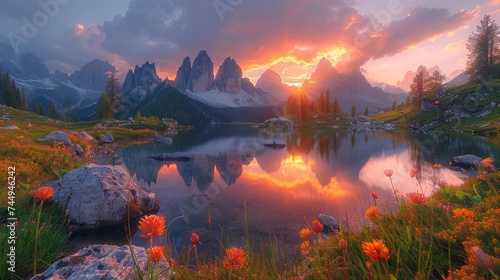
x=400 y=163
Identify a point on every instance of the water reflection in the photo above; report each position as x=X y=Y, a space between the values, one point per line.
x=282 y=190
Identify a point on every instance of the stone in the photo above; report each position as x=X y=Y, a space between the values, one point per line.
x=104 y=262
x=4 y=118
x=78 y=150
x=466 y=161
x=163 y=140
x=183 y=74
x=58 y=136
x=107 y=139
x=83 y=135
x=330 y=224
x=9 y=127
x=201 y=77
x=101 y=195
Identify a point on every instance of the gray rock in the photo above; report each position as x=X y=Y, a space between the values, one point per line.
x=183 y=72
x=83 y=135
x=330 y=224
x=9 y=127
x=107 y=139
x=78 y=150
x=228 y=78
x=163 y=140
x=58 y=136
x=103 y=262
x=4 y=118
x=201 y=77
x=101 y=195
x=466 y=161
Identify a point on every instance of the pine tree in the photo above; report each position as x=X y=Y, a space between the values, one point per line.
x=336 y=110
x=420 y=84
x=53 y=111
x=394 y=105
x=113 y=91
x=484 y=49
x=353 y=110
x=366 y=111
x=104 y=108
x=327 y=102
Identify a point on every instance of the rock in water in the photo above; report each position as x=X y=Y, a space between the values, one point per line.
x=101 y=195
x=330 y=224
x=466 y=161
x=103 y=262
x=107 y=139
x=58 y=136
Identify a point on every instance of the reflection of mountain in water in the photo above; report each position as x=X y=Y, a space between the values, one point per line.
x=330 y=153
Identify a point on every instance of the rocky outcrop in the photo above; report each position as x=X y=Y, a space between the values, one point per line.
x=103 y=262
x=101 y=195
x=34 y=66
x=93 y=75
x=181 y=79
x=330 y=224
x=201 y=77
x=139 y=83
x=61 y=76
x=228 y=78
x=83 y=135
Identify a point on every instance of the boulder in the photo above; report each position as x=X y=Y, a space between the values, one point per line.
x=9 y=127
x=101 y=195
x=330 y=224
x=107 y=139
x=58 y=136
x=466 y=161
x=103 y=262
x=83 y=135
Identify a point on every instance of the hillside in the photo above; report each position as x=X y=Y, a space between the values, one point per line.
x=470 y=108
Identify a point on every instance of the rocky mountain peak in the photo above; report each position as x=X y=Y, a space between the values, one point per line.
x=141 y=81
x=93 y=75
x=201 y=77
x=323 y=71
x=228 y=78
x=270 y=81
x=183 y=72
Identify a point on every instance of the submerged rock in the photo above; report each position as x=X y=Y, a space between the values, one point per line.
x=330 y=224
x=103 y=262
x=466 y=161
x=101 y=195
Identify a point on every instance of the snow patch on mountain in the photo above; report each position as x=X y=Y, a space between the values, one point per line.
x=220 y=99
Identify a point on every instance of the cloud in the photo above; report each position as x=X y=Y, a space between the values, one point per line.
x=454 y=46
x=420 y=25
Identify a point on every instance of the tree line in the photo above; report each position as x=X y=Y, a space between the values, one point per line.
x=10 y=94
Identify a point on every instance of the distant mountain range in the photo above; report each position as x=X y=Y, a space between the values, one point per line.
x=196 y=95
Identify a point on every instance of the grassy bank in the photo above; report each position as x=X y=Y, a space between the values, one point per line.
x=37 y=163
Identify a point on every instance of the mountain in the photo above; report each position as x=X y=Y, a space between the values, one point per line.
x=407 y=81
x=387 y=88
x=460 y=79
x=181 y=79
x=140 y=82
x=270 y=81
x=349 y=89
x=201 y=75
x=229 y=75
x=93 y=75
x=32 y=75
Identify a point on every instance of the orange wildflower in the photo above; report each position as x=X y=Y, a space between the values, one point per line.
x=388 y=172
x=487 y=161
x=436 y=166
x=155 y=253
x=195 y=238
x=304 y=233
x=372 y=213
x=342 y=244
x=317 y=226
x=172 y=262
x=152 y=225
x=304 y=246
x=235 y=257
x=416 y=197
x=42 y=193
x=376 y=250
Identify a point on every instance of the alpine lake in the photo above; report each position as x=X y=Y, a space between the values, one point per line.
x=230 y=182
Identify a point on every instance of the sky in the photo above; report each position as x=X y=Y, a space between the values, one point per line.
x=383 y=39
